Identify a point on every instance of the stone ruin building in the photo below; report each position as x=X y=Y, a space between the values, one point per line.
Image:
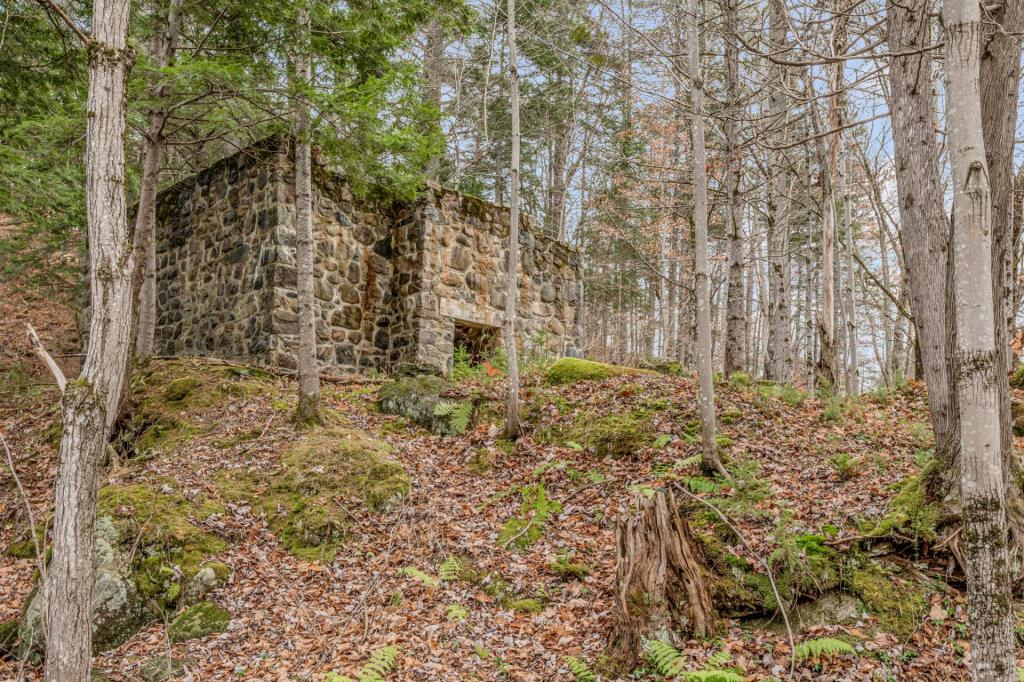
x=397 y=285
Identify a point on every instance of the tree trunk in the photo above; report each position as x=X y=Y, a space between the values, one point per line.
x=661 y=585
x=734 y=348
x=89 y=405
x=709 y=448
x=924 y=227
x=164 y=46
x=308 y=409
x=433 y=72
x=989 y=597
x=1000 y=79
x=512 y=290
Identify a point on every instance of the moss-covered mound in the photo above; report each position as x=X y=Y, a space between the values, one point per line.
x=165 y=530
x=321 y=472
x=614 y=435
x=169 y=393
x=570 y=370
x=205 y=618
x=898 y=602
x=909 y=514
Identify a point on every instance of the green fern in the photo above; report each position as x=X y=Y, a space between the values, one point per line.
x=456 y=613
x=382 y=662
x=581 y=672
x=664 y=658
x=421 y=576
x=449 y=569
x=713 y=676
x=458 y=413
x=719 y=659
x=822 y=646
x=699 y=484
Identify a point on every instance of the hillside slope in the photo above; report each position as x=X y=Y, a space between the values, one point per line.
x=480 y=559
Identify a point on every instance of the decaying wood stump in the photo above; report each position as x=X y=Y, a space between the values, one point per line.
x=661 y=583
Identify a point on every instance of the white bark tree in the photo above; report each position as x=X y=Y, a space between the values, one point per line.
x=709 y=446
x=89 y=404
x=511 y=356
x=989 y=596
x=308 y=408
x=778 y=364
x=734 y=352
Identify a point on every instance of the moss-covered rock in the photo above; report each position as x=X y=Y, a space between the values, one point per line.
x=163 y=529
x=897 y=601
x=570 y=370
x=179 y=389
x=614 y=435
x=196 y=622
x=909 y=514
x=417 y=398
x=119 y=610
x=301 y=499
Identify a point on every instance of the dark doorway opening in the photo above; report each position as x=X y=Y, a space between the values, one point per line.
x=475 y=342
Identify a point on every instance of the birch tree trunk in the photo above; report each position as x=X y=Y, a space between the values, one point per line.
x=709 y=448
x=89 y=405
x=989 y=597
x=308 y=409
x=852 y=361
x=924 y=226
x=733 y=351
x=164 y=46
x=778 y=361
x=512 y=410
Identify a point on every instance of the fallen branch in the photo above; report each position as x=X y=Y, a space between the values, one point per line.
x=51 y=364
x=40 y=564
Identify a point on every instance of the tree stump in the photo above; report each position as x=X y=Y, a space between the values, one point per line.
x=661 y=584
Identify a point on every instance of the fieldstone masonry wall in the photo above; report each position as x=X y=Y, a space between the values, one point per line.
x=391 y=282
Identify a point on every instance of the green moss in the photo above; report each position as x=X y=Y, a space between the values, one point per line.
x=480 y=463
x=570 y=370
x=898 y=603
x=205 y=618
x=9 y=638
x=418 y=398
x=160 y=531
x=566 y=569
x=909 y=514
x=25 y=548
x=237 y=439
x=788 y=394
x=1017 y=378
x=525 y=605
x=740 y=379
x=729 y=416
x=302 y=498
x=179 y=389
x=614 y=435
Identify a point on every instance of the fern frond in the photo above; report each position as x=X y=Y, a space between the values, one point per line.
x=449 y=569
x=456 y=613
x=822 y=646
x=421 y=576
x=457 y=411
x=664 y=658
x=581 y=672
x=380 y=664
x=719 y=659
x=713 y=676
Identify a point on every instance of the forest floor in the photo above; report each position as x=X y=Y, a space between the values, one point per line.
x=809 y=474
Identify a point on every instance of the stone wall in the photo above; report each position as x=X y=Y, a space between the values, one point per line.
x=456 y=250
x=391 y=281
x=216 y=238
